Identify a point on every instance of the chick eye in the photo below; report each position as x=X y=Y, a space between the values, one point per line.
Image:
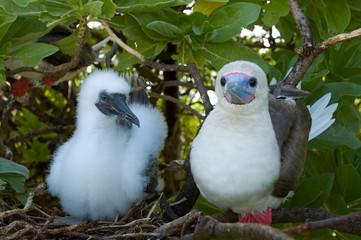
x=252 y=82
x=103 y=96
x=223 y=81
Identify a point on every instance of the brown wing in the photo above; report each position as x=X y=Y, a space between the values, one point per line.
x=292 y=123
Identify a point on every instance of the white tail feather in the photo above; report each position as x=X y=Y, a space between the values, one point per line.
x=321 y=115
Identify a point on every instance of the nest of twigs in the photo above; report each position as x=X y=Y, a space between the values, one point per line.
x=35 y=222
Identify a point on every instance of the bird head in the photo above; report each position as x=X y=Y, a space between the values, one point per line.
x=242 y=86
x=104 y=95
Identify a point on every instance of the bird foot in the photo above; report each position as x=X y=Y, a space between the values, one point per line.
x=264 y=217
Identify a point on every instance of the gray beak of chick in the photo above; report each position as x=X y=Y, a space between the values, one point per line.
x=115 y=104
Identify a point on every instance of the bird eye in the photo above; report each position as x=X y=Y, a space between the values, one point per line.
x=252 y=82
x=103 y=96
x=223 y=81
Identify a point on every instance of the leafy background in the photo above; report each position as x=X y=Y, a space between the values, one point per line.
x=168 y=31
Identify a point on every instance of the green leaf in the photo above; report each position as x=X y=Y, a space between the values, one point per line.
x=93 y=8
x=7 y=166
x=4 y=50
x=220 y=54
x=37 y=152
x=24 y=30
x=347 y=183
x=142 y=6
x=337 y=15
x=334 y=137
x=67 y=45
x=148 y=49
x=205 y=207
x=24 y=3
x=313 y=191
x=14 y=180
x=273 y=11
x=108 y=9
x=228 y=20
x=32 y=53
x=5 y=22
x=33 y=10
x=166 y=29
x=338 y=90
x=336 y=203
x=130 y=27
x=2 y=76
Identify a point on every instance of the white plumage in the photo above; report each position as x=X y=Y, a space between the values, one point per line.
x=235 y=158
x=101 y=170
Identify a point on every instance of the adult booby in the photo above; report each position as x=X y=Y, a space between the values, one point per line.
x=250 y=151
x=110 y=161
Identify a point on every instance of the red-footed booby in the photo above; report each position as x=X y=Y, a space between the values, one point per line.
x=110 y=161
x=250 y=151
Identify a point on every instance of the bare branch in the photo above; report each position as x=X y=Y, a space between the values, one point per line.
x=308 y=51
x=327 y=223
x=209 y=228
x=29 y=201
x=177 y=101
x=200 y=86
x=191 y=68
x=4 y=121
x=37 y=133
x=338 y=38
x=303 y=26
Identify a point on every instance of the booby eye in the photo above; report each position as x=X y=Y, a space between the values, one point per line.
x=223 y=81
x=103 y=96
x=252 y=82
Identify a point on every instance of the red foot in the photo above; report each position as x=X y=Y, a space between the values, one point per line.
x=264 y=217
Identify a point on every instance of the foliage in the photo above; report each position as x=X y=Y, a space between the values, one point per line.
x=210 y=37
x=12 y=178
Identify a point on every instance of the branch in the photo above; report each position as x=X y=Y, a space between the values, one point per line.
x=200 y=86
x=299 y=215
x=177 y=101
x=29 y=201
x=308 y=52
x=4 y=121
x=209 y=228
x=191 y=67
x=59 y=71
x=38 y=132
x=338 y=38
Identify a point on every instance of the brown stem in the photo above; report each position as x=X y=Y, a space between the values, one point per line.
x=177 y=101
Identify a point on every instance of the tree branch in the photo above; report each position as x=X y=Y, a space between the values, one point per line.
x=209 y=228
x=4 y=121
x=191 y=67
x=27 y=206
x=37 y=133
x=177 y=101
x=308 y=51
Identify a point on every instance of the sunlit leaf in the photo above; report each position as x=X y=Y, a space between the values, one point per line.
x=139 y=6
x=229 y=19
x=7 y=166
x=32 y=53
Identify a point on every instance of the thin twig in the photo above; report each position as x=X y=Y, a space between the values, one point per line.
x=177 y=101
x=29 y=201
x=308 y=51
x=191 y=68
x=338 y=38
x=38 y=132
x=4 y=123
x=327 y=223
x=200 y=86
